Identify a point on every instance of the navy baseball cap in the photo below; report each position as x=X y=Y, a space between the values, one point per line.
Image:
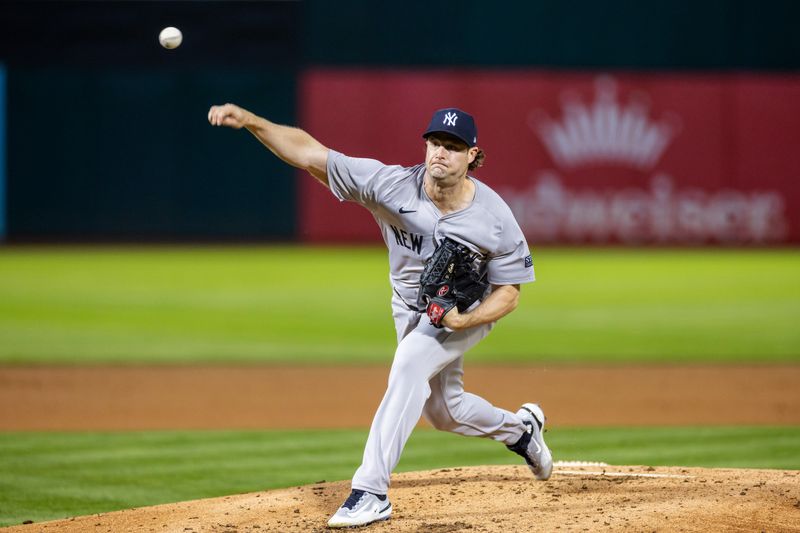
x=455 y=122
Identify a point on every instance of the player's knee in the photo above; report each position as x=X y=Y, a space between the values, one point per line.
x=407 y=370
x=408 y=364
x=440 y=421
x=441 y=415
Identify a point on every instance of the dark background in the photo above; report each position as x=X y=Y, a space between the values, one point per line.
x=106 y=131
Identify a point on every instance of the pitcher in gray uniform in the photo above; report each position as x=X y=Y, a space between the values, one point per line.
x=416 y=207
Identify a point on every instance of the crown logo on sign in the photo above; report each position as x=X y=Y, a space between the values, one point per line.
x=605 y=131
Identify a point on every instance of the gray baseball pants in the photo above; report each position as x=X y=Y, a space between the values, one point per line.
x=426 y=379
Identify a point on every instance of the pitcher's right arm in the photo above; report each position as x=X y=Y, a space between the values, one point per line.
x=293 y=145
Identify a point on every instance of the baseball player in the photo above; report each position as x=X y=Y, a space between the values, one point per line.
x=417 y=208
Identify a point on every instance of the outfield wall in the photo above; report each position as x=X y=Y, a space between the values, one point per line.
x=2 y=152
x=667 y=158
x=130 y=156
x=107 y=139
x=107 y=131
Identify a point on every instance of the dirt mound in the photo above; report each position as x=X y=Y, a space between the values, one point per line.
x=495 y=499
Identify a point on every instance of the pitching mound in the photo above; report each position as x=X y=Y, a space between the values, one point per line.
x=496 y=499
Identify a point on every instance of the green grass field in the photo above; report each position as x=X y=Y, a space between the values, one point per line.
x=130 y=305
x=323 y=304
x=54 y=475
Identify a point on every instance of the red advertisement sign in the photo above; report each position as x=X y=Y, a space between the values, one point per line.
x=581 y=157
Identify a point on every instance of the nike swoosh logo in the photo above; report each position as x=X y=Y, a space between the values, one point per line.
x=538 y=448
x=404 y=211
x=382 y=510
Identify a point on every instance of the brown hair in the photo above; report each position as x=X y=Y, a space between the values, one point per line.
x=478 y=161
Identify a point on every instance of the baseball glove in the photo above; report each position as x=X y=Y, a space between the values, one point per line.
x=450 y=280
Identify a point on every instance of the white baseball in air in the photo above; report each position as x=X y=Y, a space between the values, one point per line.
x=170 y=37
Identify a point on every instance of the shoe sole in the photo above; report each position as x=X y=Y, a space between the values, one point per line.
x=357 y=526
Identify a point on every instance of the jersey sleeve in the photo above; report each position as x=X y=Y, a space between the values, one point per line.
x=512 y=263
x=354 y=178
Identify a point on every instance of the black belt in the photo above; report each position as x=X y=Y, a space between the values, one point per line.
x=410 y=307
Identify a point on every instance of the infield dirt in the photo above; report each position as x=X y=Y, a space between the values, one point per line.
x=263 y=397
x=493 y=500
x=475 y=499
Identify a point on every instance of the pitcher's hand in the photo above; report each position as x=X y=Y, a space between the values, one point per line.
x=229 y=115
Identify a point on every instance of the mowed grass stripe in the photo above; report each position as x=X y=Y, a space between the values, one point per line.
x=331 y=304
x=53 y=475
x=701 y=446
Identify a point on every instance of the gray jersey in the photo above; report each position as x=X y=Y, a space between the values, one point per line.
x=411 y=223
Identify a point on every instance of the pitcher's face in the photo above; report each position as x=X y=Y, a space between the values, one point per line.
x=447 y=157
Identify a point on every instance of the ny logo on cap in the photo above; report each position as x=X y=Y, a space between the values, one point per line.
x=450 y=119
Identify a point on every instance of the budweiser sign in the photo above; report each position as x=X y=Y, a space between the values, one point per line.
x=605 y=136
x=605 y=131
x=633 y=158
x=548 y=211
